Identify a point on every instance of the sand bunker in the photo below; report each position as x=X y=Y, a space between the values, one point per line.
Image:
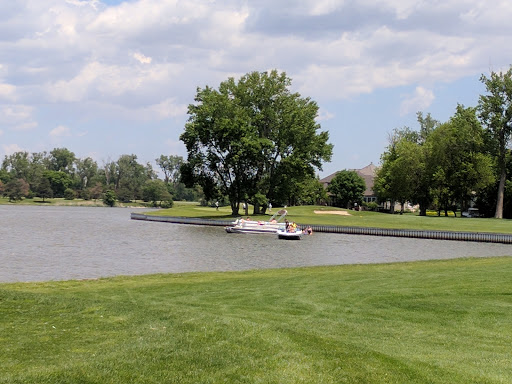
x=343 y=213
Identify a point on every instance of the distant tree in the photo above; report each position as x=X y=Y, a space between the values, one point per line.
x=170 y=166
x=402 y=170
x=2 y=188
x=460 y=166
x=86 y=172
x=59 y=181
x=62 y=160
x=96 y=191
x=69 y=194
x=109 y=198
x=43 y=189
x=17 y=165
x=155 y=191
x=130 y=177
x=16 y=189
x=348 y=188
x=495 y=111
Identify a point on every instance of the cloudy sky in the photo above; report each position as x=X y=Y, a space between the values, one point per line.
x=105 y=78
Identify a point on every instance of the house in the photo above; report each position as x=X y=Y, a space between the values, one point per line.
x=367 y=173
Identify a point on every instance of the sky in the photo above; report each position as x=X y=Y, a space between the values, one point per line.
x=106 y=78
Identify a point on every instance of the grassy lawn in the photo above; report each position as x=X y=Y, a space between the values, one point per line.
x=423 y=322
x=307 y=215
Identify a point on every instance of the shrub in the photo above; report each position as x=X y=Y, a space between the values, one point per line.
x=109 y=198
x=169 y=203
x=69 y=194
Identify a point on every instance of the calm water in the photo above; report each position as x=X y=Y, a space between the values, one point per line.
x=61 y=243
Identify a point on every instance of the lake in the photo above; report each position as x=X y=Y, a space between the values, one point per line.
x=40 y=243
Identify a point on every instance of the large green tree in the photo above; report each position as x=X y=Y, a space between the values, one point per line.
x=245 y=138
x=495 y=110
x=347 y=188
x=460 y=167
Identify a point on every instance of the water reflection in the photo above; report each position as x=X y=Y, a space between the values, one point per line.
x=60 y=243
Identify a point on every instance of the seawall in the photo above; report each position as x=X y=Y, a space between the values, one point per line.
x=412 y=233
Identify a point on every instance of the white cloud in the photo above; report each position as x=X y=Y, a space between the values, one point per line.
x=7 y=92
x=142 y=59
x=419 y=101
x=60 y=131
x=17 y=117
x=168 y=108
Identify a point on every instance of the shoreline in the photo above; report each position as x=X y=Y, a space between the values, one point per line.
x=369 y=231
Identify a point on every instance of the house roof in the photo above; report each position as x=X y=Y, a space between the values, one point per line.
x=367 y=173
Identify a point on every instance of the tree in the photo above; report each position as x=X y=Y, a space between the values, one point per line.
x=155 y=191
x=59 y=181
x=16 y=189
x=17 y=165
x=62 y=160
x=495 y=110
x=96 y=191
x=109 y=198
x=461 y=168
x=86 y=172
x=170 y=166
x=347 y=187
x=130 y=177
x=402 y=168
x=44 y=189
x=245 y=137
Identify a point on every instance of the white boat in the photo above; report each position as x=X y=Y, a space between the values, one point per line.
x=252 y=226
x=282 y=234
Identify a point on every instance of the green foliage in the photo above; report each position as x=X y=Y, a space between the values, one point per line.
x=244 y=138
x=59 y=181
x=69 y=194
x=167 y=203
x=109 y=198
x=43 y=189
x=460 y=166
x=62 y=160
x=495 y=110
x=16 y=189
x=170 y=166
x=155 y=191
x=347 y=188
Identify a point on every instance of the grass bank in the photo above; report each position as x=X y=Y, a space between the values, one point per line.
x=423 y=322
x=61 y=202
x=306 y=215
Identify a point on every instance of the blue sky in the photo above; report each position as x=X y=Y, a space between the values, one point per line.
x=106 y=78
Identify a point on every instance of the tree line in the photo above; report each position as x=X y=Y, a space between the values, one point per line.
x=450 y=166
x=59 y=173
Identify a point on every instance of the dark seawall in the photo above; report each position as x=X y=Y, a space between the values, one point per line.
x=412 y=233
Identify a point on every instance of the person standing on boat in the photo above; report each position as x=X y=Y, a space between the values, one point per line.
x=286 y=225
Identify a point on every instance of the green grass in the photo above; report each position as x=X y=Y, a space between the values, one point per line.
x=423 y=322
x=306 y=215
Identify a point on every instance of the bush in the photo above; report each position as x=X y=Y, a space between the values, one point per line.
x=169 y=203
x=109 y=198
x=69 y=194
x=85 y=194
x=372 y=206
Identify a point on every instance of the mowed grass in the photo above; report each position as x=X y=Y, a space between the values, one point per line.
x=422 y=322
x=306 y=215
